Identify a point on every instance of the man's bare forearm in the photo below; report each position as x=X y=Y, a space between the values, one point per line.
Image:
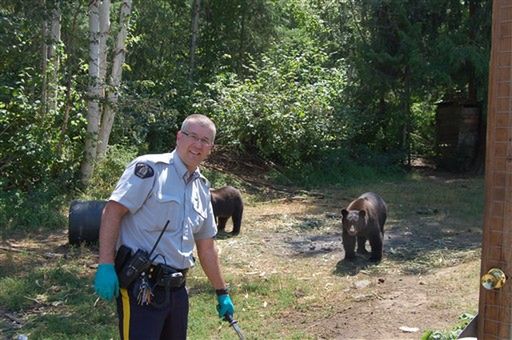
x=210 y=262
x=109 y=230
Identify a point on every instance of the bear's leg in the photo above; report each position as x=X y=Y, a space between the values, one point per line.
x=222 y=223
x=237 y=221
x=349 y=244
x=376 y=245
x=361 y=245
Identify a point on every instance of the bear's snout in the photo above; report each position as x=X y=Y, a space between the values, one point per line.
x=352 y=230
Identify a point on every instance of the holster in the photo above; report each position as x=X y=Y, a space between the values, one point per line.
x=166 y=276
x=123 y=254
x=129 y=266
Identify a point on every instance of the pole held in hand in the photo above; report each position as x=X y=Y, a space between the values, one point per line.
x=233 y=323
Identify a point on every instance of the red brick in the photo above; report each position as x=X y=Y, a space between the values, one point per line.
x=490 y=327
x=503 y=104
x=503 y=88
x=500 y=178
x=505 y=30
x=495 y=253
x=500 y=149
x=503 y=58
x=501 y=134
x=497 y=208
x=502 y=119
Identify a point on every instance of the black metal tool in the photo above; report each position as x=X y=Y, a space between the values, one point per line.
x=233 y=323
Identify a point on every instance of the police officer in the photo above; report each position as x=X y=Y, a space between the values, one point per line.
x=154 y=190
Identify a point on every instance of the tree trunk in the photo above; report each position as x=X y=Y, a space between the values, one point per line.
x=93 y=114
x=104 y=35
x=69 y=77
x=472 y=93
x=241 y=48
x=54 y=58
x=115 y=79
x=44 y=64
x=196 y=7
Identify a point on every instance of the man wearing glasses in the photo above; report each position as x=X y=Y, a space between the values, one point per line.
x=160 y=209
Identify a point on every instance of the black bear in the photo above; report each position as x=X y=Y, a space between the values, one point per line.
x=227 y=202
x=363 y=220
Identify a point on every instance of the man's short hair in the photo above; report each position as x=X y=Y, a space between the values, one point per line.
x=200 y=119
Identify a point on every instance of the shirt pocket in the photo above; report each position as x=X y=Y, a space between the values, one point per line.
x=199 y=212
x=167 y=208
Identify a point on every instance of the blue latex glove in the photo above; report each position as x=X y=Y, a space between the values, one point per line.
x=225 y=305
x=106 y=283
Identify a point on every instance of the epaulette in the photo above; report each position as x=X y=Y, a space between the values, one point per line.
x=155 y=158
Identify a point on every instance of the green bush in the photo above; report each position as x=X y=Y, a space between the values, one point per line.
x=284 y=113
x=28 y=212
x=108 y=171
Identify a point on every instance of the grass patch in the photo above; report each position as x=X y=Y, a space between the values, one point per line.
x=258 y=305
x=453 y=334
x=29 y=213
x=281 y=269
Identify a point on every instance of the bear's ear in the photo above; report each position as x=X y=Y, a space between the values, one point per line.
x=362 y=213
x=344 y=213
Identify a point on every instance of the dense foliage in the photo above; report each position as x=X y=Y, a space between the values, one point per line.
x=296 y=83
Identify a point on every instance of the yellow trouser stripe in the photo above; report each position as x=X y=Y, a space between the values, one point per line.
x=126 y=313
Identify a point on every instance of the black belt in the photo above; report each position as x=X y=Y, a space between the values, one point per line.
x=165 y=276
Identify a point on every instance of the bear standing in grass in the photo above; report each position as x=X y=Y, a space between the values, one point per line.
x=227 y=202
x=363 y=220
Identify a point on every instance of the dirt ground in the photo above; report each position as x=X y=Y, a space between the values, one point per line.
x=406 y=294
x=428 y=278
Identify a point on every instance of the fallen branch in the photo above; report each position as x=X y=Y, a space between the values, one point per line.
x=12 y=318
x=11 y=249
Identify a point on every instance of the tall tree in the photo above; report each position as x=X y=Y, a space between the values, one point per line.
x=114 y=83
x=194 y=30
x=102 y=99
x=54 y=56
x=93 y=112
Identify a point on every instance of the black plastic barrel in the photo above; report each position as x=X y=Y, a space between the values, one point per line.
x=84 y=221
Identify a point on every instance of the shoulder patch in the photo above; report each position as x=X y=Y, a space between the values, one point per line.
x=143 y=170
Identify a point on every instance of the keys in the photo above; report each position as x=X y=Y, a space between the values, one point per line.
x=145 y=295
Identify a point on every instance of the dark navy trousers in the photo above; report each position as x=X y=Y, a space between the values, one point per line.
x=147 y=322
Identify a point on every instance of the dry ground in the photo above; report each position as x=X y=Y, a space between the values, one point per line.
x=429 y=275
x=399 y=298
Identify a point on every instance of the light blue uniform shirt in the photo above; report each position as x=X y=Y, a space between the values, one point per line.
x=155 y=189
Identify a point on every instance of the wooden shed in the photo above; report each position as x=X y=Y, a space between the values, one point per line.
x=457 y=135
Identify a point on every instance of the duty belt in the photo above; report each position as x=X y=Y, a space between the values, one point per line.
x=159 y=279
x=165 y=276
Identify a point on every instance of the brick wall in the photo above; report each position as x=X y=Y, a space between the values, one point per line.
x=495 y=315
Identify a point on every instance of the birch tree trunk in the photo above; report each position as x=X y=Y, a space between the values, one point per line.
x=104 y=35
x=115 y=78
x=44 y=64
x=241 y=49
x=54 y=57
x=196 y=7
x=93 y=114
x=69 y=79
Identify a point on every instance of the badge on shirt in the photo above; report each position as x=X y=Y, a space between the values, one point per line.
x=143 y=170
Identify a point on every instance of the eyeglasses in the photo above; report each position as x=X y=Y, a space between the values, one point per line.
x=203 y=141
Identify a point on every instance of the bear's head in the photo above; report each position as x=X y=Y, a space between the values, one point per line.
x=353 y=221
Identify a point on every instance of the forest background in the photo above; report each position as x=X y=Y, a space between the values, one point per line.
x=317 y=94
x=322 y=86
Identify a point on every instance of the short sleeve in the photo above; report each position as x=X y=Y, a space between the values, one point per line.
x=135 y=185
